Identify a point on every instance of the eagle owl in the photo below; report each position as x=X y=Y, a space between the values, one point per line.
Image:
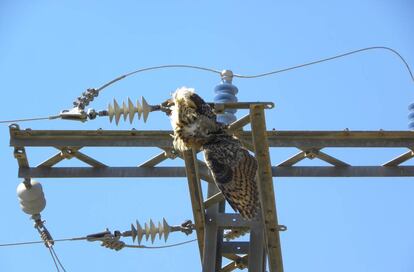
x=232 y=166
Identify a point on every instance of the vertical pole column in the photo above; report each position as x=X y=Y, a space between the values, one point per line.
x=196 y=195
x=266 y=191
x=257 y=254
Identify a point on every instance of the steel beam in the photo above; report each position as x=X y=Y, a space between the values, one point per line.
x=148 y=138
x=212 y=258
x=319 y=139
x=266 y=191
x=240 y=123
x=55 y=159
x=164 y=172
x=86 y=159
x=238 y=262
x=329 y=159
x=256 y=252
x=154 y=160
x=196 y=196
x=214 y=199
x=293 y=160
x=235 y=247
x=228 y=220
x=20 y=154
x=400 y=159
x=347 y=171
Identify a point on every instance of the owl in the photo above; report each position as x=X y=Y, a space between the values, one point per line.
x=233 y=168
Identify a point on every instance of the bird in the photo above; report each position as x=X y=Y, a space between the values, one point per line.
x=232 y=167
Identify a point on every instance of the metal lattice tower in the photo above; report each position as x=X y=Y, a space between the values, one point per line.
x=209 y=217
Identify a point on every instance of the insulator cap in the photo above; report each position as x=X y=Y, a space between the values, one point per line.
x=225 y=93
x=32 y=200
x=411 y=116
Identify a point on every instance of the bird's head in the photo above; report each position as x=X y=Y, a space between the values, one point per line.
x=182 y=98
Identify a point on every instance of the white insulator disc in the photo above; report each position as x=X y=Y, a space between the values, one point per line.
x=33 y=207
x=32 y=200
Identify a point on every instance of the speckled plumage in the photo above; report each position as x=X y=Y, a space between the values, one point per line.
x=232 y=166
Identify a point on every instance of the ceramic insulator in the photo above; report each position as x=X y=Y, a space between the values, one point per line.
x=128 y=110
x=150 y=230
x=32 y=199
x=226 y=92
x=411 y=116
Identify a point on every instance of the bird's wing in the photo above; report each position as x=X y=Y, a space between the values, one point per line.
x=234 y=171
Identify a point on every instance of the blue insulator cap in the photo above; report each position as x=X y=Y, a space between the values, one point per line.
x=226 y=93
x=411 y=116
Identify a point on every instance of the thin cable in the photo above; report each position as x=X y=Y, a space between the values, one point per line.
x=235 y=75
x=42 y=242
x=31 y=119
x=157 y=68
x=328 y=59
x=57 y=258
x=84 y=238
x=54 y=261
x=158 y=247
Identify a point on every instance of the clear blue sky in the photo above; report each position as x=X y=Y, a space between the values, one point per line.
x=51 y=51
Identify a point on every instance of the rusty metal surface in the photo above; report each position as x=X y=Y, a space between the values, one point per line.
x=196 y=197
x=310 y=143
x=266 y=190
x=300 y=139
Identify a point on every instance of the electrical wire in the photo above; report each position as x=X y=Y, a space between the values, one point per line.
x=158 y=68
x=328 y=59
x=84 y=238
x=168 y=66
x=42 y=242
x=57 y=258
x=159 y=247
x=263 y=74
x=31 y=119
x=53 y=258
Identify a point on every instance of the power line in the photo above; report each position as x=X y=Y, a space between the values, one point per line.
x=54 y=260
x=211 y=70
x=57 y=258
x=159 y=247
x=31 y=119
x=42 y=242
x=84 y=238
x=167 y=66
x=328 y=59
x=266 y=73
